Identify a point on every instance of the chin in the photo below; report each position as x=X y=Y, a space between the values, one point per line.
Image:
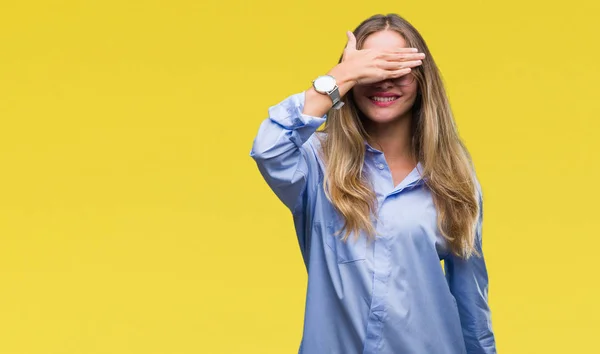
x=383 y=117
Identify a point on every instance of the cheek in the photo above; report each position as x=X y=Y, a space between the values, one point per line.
x=362 y=102
x=359 y=98
x=356 y=93
x=412 y=91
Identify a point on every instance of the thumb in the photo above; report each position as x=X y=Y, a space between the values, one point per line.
x=351 y=41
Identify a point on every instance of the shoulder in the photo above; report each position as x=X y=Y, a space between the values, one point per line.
x=478 y=187
x=478 y=195
x=476 y=183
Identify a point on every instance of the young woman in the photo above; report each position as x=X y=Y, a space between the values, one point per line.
x=383 y=193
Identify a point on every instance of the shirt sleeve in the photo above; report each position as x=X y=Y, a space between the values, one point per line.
x=468 y=281
x=279 y=150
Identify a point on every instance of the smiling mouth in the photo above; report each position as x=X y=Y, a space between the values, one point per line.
x=384 y=99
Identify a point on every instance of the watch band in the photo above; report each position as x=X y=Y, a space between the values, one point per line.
x=335 y=98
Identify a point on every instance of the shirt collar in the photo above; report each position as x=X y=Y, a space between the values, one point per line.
x=370 y=148
x=414 y=177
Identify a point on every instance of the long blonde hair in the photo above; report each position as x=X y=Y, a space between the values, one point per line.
x=447 y=166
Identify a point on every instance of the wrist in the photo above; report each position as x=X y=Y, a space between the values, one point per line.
x=342 y=75
x=344 y=78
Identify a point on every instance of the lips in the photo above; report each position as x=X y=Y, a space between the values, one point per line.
x=384 y=98
x=384 y=94
x=384 y=101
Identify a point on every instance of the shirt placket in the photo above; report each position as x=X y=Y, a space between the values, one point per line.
x=383 y=185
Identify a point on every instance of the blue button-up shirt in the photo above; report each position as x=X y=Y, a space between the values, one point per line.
x=390 y=296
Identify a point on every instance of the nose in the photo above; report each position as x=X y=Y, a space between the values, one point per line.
x=384 y=84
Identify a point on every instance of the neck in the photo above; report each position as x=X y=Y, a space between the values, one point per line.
x=393 y=139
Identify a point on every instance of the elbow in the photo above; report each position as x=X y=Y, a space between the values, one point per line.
x=268 y=143
x=262 y=152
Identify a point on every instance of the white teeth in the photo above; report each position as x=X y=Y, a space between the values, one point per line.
x=383 y=99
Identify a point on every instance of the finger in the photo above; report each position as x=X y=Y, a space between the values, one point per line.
x=402 y=50
x=351 y=45
x=405 y=64
x=399 y=73
x=396 y=65
x=413 y=63
x=392 y=65
x=402 y=56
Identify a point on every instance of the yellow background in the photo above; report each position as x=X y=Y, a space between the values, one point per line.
x=132 y=219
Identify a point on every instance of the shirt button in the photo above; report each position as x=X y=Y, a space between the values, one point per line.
x=380 y=166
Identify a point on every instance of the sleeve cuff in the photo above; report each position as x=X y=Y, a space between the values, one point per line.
x=288 y=113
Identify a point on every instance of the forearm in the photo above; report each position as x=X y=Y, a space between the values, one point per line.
x=278 y=148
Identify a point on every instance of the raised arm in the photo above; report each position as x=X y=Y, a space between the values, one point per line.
x=279 y=146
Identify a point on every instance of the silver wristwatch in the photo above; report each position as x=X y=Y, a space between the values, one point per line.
x=326 y=84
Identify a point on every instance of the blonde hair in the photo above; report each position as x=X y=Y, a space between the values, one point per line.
x=447 y=166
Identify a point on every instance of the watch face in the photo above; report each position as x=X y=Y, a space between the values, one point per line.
x=324 y=83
